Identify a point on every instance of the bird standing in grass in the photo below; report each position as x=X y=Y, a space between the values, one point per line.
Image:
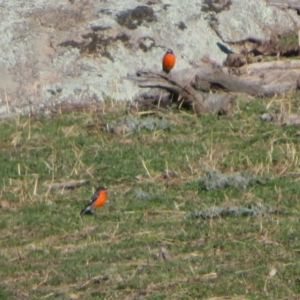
x=97 y=200
x=168 y=61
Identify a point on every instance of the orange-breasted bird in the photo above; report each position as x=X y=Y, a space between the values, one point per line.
x=168 y=61
x=97 y=200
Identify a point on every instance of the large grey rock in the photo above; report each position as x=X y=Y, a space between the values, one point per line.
x=80 y=51
x=255 y=19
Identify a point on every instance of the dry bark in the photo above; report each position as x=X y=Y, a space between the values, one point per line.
x=65 y=184
x=189 y=87
x=292 y=4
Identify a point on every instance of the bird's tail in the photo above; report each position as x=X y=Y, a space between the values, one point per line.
x=224 y=49
x=87 y=210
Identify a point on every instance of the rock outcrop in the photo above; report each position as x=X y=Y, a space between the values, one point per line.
x=73 y=51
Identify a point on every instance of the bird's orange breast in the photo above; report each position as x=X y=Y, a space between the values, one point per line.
x=101 y=199
x=168 y=61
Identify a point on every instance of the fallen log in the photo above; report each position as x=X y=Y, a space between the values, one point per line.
x=291 y=4
x=72 y=184
x=258 y=79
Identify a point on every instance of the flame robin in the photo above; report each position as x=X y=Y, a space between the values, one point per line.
x=168 y=61
x=97 y=200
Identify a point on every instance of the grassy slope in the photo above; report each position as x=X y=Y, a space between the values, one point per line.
x=47 y=251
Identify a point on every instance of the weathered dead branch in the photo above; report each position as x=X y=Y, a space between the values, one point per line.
x=292 y=4
x=182 y=91
x=189 y=87
x=65 y=184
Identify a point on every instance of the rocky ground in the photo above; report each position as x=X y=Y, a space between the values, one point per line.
x=81 y=51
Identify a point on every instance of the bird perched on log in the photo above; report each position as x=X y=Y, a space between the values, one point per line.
x=224 y=48
x=168 y=61
x=97 y=200
x=233 y=59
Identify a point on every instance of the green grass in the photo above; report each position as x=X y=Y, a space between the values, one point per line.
x=48 y=251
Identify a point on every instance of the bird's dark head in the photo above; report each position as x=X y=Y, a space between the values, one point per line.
x=170 y=51
x=101 y=188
